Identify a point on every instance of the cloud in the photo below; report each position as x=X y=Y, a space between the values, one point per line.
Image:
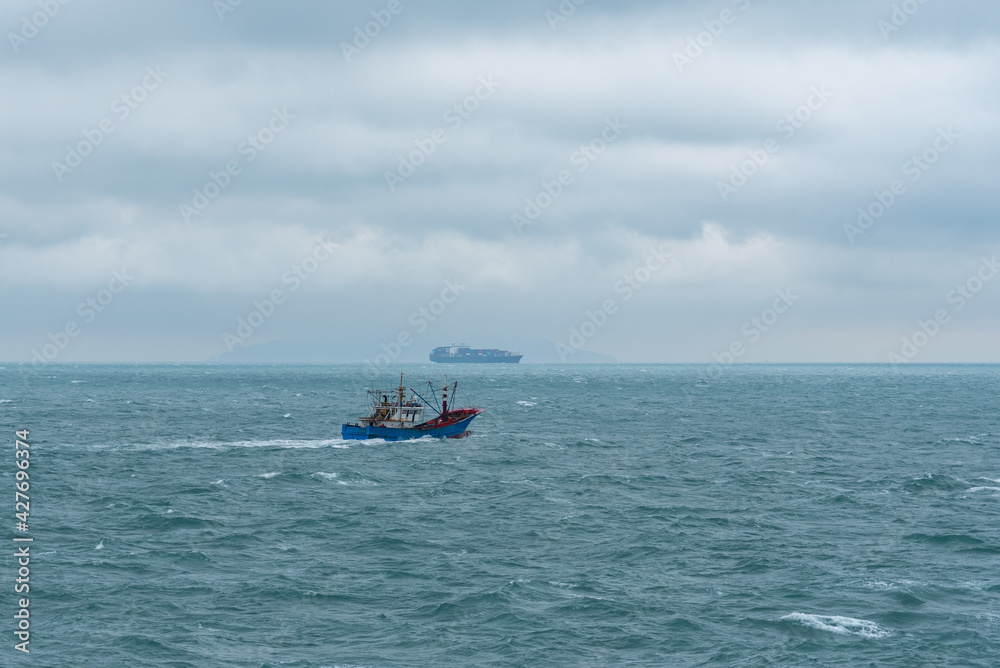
x=351 y=123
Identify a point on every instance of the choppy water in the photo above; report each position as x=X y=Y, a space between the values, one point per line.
x=612 y=515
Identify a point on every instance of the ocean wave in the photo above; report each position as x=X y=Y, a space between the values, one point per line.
x=350 y=478
x=968 y=440
x=268 y=475
x=839 y=625
x=934 y=482
x=945 y=539
x=982 y=489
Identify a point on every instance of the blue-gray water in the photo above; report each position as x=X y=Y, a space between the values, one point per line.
x=603 y=515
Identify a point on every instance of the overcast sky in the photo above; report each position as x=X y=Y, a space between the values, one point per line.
x=636 y=179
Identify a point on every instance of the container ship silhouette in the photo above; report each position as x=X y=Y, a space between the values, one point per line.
x=462 y=354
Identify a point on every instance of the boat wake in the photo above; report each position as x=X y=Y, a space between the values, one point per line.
x=336 y=443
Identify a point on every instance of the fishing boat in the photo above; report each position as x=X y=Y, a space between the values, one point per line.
x=396 y=417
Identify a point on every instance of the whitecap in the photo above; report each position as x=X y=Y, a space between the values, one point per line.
x=269 y=475
x=982 y=489
x=218 y=482
x=328 y=476
x=357 y=481
x=100 y=546
x=970 y=440
x=6 y=401
x=76 y=382
x=839 y=625
x=287 y=415
x=527 y=403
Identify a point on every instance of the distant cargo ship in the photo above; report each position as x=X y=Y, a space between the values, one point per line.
x=462 y=354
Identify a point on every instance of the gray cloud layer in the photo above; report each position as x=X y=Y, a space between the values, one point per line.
x=822 y=105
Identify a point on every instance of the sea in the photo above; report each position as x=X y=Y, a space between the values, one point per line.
x=605 y=515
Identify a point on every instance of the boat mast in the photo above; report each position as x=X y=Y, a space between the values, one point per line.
x=436 y=410
x=435 y=397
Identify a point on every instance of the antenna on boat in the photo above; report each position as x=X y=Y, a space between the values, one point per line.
x=437 y=410
x=433 y=394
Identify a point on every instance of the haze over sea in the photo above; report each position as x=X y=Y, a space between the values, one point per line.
x=597 y=515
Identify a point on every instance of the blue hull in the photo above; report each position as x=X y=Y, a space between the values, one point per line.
x=350 y=432
x=470 y=359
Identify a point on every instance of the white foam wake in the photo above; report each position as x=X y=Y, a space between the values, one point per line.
x=224 y=445
x=839 y=625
